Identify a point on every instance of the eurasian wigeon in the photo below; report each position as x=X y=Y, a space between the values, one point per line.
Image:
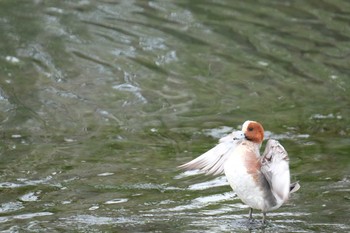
x=261 y=182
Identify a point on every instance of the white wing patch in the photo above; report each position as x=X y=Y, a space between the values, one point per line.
x=212 y=162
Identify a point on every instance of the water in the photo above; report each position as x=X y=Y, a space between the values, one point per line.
x=102 y=100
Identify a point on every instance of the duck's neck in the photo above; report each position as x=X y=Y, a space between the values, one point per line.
x=253 y=146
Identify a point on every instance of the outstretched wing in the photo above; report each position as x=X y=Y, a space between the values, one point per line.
x=212 y=161
x=275 y=167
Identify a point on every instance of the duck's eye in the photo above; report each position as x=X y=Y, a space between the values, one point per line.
x=250 y=129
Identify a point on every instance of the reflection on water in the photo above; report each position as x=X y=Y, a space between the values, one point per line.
x=102 y=100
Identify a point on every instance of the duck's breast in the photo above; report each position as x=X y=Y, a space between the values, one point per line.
x=243 y=173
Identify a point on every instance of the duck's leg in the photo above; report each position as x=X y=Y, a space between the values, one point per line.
x=264 y=217
x=251 y=214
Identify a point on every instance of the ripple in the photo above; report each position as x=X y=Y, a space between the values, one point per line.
x=217 y=182
x=29 y=197
x=188 y=173
x=131 y=88
x=150 y=186
x=24 y=216
x=94 y=207
x=95 y=220
x=204 y=201
x=32 y=215
x=11 y=207
x=116 y=201
x=218 y=132
x=11 y=59
x=91 y=58
x=167 y=58
x=106 y=174
x=224 y=130
x=329 y=116
x=150 y=43
x=43 y=61
x=288 y=136
x=25 y=182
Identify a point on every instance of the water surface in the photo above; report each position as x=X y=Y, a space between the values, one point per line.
x=102 y=100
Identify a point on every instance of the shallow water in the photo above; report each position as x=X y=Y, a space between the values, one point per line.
x=102 y=100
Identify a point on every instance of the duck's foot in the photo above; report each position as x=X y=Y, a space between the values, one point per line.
x=251 y=220
x=257 y=224
x=264 y=221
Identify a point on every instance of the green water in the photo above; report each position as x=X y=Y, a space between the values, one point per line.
x=100 y=101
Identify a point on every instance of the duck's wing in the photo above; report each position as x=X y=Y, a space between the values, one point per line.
x=294 y=187
x=275 y=167
x=212 y=162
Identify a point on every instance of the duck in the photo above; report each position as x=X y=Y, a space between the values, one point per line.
x=262 y=182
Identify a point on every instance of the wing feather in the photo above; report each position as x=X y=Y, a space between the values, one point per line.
x=275 y=167
x=212 y=161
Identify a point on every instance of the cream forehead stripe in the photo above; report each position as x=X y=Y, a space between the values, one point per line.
x=245 y=125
